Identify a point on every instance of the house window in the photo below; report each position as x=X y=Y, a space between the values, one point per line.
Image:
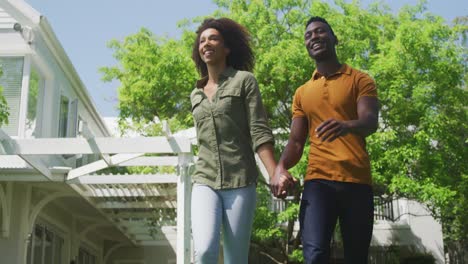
x=85 y=257
x=11 y=81
x=36 y=85
x=45 y=246
x=63 y=116
x=72 y=128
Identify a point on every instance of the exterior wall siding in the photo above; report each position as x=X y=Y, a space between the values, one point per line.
x=6 y=21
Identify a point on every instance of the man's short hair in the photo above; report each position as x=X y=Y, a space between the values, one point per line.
x=320 y=19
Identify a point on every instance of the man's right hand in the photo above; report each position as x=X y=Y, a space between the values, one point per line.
x=281 y=182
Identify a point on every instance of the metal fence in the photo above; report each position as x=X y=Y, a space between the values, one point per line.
x=385 y=208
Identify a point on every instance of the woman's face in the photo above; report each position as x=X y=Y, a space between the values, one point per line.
x=211 y=47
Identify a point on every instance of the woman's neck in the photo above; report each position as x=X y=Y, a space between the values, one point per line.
x=214 y=71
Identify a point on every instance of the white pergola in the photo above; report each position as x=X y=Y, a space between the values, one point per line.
x=150 y=209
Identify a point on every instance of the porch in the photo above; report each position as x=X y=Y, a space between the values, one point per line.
x=138 y=210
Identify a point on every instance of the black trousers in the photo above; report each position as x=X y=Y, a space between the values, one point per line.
x=323 y=203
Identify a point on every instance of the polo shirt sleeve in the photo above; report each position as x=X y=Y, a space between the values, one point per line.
x=366 y=86
x=297 y=110
x=260 y=131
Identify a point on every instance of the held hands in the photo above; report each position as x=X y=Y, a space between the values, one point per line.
x=331 y=128
x=281 y=182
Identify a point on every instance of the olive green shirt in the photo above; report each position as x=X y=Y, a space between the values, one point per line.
x=229 y=130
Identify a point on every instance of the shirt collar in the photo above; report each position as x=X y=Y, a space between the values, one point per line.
x=344 y=69
x=228 y=71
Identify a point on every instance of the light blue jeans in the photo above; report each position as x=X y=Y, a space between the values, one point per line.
x=231 y=209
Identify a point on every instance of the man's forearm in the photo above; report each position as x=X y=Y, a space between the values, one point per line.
x=364 y=126
x=368 y=112
x=291 y=155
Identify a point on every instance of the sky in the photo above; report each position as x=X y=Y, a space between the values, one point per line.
x=85 y=27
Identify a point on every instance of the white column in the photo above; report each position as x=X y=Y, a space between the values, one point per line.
x=24 y=230
x=5 y=200
x=184 y=188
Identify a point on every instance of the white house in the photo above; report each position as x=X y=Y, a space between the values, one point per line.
x=55 y=208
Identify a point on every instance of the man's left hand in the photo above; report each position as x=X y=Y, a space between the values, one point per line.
x=331 y=128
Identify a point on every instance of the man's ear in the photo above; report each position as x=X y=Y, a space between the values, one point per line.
x=227 y=50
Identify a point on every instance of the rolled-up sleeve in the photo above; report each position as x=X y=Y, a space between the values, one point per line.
x=260 y=131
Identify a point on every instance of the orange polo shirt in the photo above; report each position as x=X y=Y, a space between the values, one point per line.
x=345 y=159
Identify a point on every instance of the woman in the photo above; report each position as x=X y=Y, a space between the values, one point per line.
x=231 y=124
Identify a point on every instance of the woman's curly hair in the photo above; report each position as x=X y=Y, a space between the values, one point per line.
x=236 y=38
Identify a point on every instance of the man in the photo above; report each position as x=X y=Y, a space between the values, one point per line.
x=337 y=108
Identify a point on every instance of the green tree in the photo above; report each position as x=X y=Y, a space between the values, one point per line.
x=155 y=74
x=419 y=63
x=420 y=150
x=3 y=105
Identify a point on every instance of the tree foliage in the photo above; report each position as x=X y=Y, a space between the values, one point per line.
x=3 y=105
x=419 y=63
x=155 y=75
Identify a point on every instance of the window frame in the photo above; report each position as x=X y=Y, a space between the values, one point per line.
x=30 y=249
x=60 y=125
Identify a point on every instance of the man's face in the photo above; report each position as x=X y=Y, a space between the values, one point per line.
x=319 y=41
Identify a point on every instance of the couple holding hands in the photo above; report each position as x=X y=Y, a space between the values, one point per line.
x=337 y=109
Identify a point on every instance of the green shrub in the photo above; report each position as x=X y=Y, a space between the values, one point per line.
x=419 y=259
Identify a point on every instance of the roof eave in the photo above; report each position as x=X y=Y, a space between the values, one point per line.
x=28 y=16
x=77 y=85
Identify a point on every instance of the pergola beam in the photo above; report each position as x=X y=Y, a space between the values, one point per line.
x=137 y=205
x=141 y=225
x=9 y=145
x=151 y=191
x=156 y=243
x=152 y=161
x=106 y=216
x=101 y=164
x=148 y=237
x=125 y=179
x=73 y=146
x=133 y=215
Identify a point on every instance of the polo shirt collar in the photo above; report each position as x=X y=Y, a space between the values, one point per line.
x=344 y=69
